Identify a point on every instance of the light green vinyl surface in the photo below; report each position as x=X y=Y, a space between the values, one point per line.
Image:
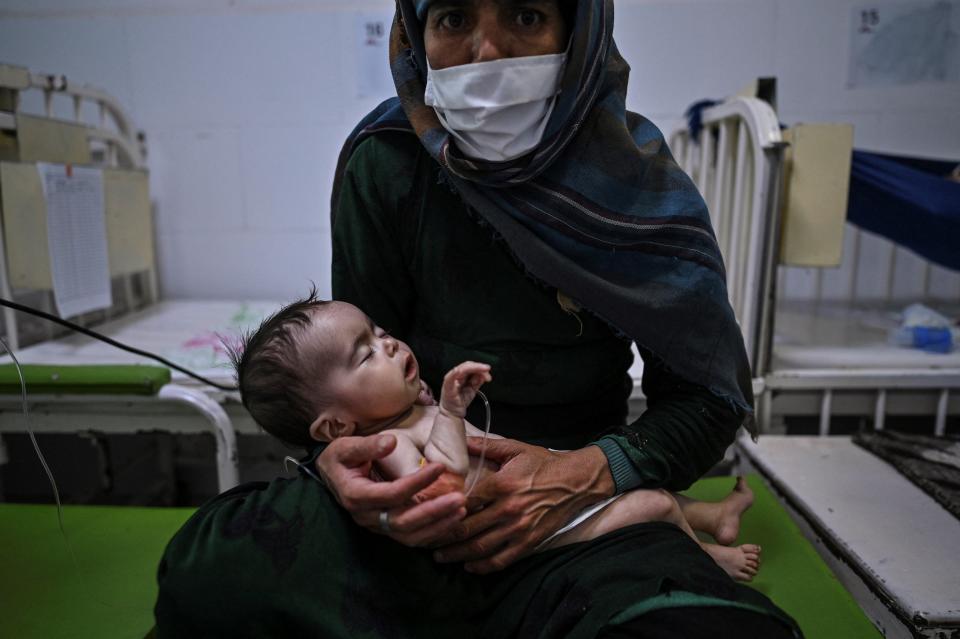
x=111 y=590
x=96 y=379
x=792 y=574
x=108 y=592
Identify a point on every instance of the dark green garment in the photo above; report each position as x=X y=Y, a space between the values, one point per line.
x=407 y=251
x=284 y=560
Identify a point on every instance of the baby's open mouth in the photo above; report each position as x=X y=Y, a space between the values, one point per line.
x=411 y=368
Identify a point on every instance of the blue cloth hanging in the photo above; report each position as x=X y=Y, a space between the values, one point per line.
x=908 y=201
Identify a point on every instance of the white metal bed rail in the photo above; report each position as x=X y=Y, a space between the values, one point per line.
x=121 y=145
x=904 y=276
x=114 y=413
x=736 y=165
x=878 y=384
x=114 y=129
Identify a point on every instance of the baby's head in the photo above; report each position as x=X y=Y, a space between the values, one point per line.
x=316 y=370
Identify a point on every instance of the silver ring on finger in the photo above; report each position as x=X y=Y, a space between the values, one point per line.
x=385 y=521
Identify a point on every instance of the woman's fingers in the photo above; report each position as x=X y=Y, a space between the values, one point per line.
x=428 y=513
x=534 y=492
x=345 y=467
x=418 y=525
x=478 y=536
x=361 y=493
x=428 y=535
x=498 y=450
x=353 y=452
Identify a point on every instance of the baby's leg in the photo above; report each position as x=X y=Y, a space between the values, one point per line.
x=641 y=506
x=720 y=520
x=634 y=507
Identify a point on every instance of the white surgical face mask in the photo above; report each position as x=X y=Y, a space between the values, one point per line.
x=496 y=110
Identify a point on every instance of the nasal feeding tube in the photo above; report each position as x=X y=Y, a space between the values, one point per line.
x=483 y=451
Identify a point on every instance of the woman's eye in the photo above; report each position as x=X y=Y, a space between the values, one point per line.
x=529 y=18
x=452 y=20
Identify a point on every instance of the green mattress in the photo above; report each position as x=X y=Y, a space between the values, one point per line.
x=110 y=590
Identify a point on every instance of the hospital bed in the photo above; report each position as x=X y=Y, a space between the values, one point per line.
x=824 y=355
x=891 y=545
x=47 y=118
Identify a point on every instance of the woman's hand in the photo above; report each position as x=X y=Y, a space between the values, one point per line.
x=535 y=493
x=345 y=468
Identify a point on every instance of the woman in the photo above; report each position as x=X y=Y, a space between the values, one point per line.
x=507 y=209
x=412 y=254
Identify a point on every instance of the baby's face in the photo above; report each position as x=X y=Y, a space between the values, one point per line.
x=372 y=376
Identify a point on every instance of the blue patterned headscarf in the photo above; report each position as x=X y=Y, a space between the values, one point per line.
x=599 y=210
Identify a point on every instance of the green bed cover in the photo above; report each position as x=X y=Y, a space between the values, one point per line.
x=111 y=590
x=94 y=379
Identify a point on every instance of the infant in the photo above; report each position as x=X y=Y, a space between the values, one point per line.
x=317 y=370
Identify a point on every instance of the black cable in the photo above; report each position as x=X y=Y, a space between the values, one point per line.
x=111 y=342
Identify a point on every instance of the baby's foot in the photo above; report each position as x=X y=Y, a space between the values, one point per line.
x=740 y=562
x=731 y=510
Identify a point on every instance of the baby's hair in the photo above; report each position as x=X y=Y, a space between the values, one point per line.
x=272 y=376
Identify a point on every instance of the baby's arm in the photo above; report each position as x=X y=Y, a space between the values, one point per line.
x=405 y=458
x=448 y=439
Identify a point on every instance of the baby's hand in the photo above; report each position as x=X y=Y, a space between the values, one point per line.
x=425 y=398
x=460 y=386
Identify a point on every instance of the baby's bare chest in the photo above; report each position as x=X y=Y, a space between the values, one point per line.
x=417 y=429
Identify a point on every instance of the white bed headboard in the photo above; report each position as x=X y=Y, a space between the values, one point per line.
x=98 y=134
x=736 y=165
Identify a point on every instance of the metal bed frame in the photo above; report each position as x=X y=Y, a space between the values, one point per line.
x=114 y=143
x=888 y=543
x=737 y=165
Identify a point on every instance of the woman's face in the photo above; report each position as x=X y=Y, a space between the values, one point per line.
x=466 y=31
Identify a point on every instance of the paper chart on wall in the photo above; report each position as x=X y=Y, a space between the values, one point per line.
x=372 y=34
x=76 y=237
x=904 y=43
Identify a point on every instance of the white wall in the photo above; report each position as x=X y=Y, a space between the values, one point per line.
x=246 y=103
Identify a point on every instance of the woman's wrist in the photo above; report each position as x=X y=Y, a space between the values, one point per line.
x=624 y=473
x=595 y=477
